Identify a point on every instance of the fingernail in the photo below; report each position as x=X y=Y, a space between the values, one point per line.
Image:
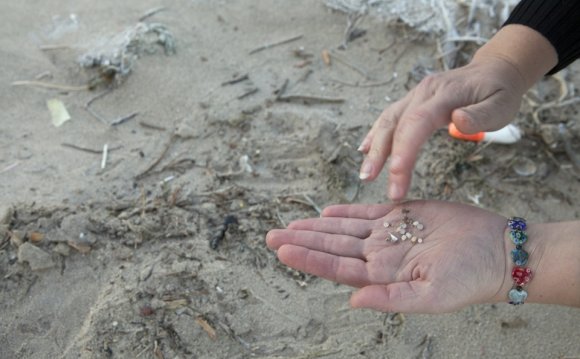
x=395 y=192
x=363 y=145
x=365 y=171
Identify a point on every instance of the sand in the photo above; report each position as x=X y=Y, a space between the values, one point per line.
x=125 y=268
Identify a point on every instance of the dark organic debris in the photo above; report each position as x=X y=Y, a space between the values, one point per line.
x=221 y=231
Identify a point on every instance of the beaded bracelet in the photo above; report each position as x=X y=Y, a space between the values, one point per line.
x=520 y=274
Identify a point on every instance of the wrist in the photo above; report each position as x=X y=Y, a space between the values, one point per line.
x=554 y=252
x=529 y=54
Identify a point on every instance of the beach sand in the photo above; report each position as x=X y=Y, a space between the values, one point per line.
x=128 y=267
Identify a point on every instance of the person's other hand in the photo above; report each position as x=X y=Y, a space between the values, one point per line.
x=462 y=260
x=482 y=96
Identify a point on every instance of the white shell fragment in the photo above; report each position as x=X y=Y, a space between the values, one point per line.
x=386 y=224
x=393 y=237
x=58 y=112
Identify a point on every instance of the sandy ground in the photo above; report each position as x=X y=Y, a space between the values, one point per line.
x=129 y=269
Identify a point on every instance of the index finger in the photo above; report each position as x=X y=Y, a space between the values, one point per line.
x=413 y=130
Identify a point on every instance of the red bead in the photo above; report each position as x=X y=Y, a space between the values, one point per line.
x=521 y=276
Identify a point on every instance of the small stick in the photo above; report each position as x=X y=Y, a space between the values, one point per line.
x=9 y=167
x=100 y=118
x=89 y=150
x=124 y=119
x=274 y=44
x=158 y=160
x=150 y=126
x=384 y=49
x=152 y=12
x=280 y=92
x=53 y=47
x=236 y=80
x=51 y=86
x=248 y=93
x=307 y=98
x=312 y=203
x=372 y=84
x=350 y=65
x=94 y=114
x=282 y=222
x=304 y=76
x=105 y=154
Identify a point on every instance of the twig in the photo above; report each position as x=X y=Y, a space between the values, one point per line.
x=152 y=12
x=280 y=92
x=158 y=160
x=124 y=119
x=307 y=98
x=94 y=114
x=351 y=20
x=274 y=44
x=49 y=85
x=248 y=93
x=365 y=85
x=312 y=203
x=384 y=49
x=282 y=222
x=9 y=167
x=236 y=80
x=98 y=117
x=143 y=351
x=89 y=150
x=350 y=65
x=53 y=47
x=105 y=155
x=151 y=126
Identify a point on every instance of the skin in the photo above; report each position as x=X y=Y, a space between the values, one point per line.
x=484 y=95
x=465 y=255
x=456 y=265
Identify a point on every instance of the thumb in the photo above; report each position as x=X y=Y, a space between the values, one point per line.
x=490 y=114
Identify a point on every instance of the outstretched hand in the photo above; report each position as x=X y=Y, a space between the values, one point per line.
x=461 y=261
x=482 y=96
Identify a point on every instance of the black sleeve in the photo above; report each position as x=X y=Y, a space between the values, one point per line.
x=557 y=20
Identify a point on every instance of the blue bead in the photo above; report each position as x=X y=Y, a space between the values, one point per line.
x=517 y=296
x=518 y=237
x=520 y=257
x=517 y=223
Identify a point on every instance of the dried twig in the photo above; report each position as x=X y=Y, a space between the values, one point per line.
x=124 y=119
x=9 y=167
x=152 y=12
x=365 y=85
x=93 y=99
x=88 y=150
x=151 y=126
x=308 y=98
x=116 y=122
x=51 y=86
x=250 y=92
x=158 y=160
x=207 y=327
x=280 y=92
x=274 y=44
x=350 y=65
x=236 y=80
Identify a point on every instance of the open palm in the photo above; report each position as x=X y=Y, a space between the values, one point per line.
x=461 y=261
